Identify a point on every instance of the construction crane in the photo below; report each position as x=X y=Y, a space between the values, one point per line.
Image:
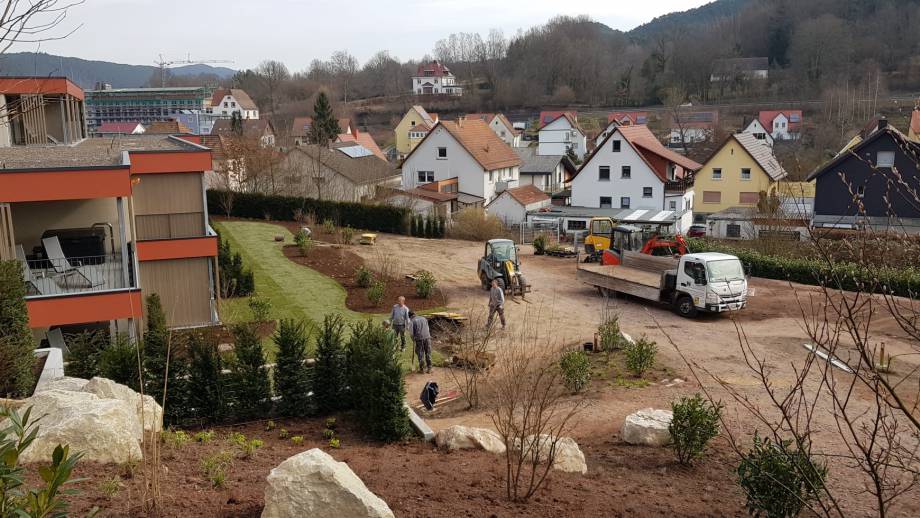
x=166 y=63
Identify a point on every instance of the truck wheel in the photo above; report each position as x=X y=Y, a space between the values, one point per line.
x=484 y=280
x=684 y=307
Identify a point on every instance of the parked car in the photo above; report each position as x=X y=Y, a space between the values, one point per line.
x=696 y=231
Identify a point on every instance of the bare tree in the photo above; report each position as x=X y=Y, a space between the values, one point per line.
x=344 y=66
x=34 y=21
x=273 y=74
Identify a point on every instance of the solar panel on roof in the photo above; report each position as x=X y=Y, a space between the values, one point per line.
x=356 y=151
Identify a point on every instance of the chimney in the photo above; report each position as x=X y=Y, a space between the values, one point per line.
x=882 y=122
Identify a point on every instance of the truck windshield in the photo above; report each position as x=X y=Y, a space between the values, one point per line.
x=725 y=270
x=503 y=251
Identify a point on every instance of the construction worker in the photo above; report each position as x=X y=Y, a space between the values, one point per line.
x=422 y=338
x=399 y=319
x=496 y=304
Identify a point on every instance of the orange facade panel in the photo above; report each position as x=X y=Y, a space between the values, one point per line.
x=170 y=161
x=39 y=85
x=64 y=184
x=84 y=308
x=184 y=248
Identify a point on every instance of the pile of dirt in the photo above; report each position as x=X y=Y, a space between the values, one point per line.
x=417 y=480
x=340 y=263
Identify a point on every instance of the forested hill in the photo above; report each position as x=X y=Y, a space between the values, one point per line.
x=682 y=20
x=86 y=72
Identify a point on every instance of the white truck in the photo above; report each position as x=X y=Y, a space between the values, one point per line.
x=708 y=282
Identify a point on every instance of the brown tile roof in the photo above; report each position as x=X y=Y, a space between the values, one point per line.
x=364 y=139
x=430 y=195
x=218 y=145
x=640 y=136
x=301 y=126
x=251 y=127
x=762 y=154
x=547 y=117
x=361 y=170
x=527 y=194
x=507 y=123
x=242 y=98
x=482 y=143
x=172 y=127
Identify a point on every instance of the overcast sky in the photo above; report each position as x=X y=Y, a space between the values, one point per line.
x=297 y=31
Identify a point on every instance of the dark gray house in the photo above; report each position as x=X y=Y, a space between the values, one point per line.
x=874 y=182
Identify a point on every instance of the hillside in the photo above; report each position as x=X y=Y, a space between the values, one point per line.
x=86 y=72
x=683 y=20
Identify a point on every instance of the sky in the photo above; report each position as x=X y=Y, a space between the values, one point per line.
x=298 y=31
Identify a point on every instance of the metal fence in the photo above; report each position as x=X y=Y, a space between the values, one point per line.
x=524 y=233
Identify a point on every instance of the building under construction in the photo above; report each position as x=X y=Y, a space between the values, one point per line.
x=143 y=105
x=40 y=110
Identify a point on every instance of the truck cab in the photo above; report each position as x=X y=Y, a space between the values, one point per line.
x=709 y=282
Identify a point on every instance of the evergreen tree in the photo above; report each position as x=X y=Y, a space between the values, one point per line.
x=429 y=227
x=251 y=387
x=375 y=382
x=292 y=376
x=413 y=226
x=164 y=367
x=329 y=369
x=236 y=124
x=325 y=127
x=209 y=397
x=442 y=227
x=16 y=343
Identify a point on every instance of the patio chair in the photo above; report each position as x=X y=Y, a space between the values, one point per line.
x=36 y=285
x=62 y=265
x=56 y=340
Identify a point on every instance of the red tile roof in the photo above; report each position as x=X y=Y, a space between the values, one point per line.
x=632 y=117
x=436 y=68
x=172 y=127
x=527 y=194
x=117 y=127
x=653 y=153
x=478 y=139
x=242 y=98
x=766 y=118
x=549 y=116
x=364 y=139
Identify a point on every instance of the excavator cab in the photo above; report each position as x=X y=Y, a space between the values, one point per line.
x=600 y=234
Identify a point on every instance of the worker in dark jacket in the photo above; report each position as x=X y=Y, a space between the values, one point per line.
x=422 y=338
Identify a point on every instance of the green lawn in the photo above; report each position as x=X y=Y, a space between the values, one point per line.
x=295 y=291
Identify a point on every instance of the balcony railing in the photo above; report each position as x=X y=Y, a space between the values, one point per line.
x=72 y=275
x=678 y=186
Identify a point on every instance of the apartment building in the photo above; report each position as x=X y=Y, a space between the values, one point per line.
x=144 y=105
x=101 y=223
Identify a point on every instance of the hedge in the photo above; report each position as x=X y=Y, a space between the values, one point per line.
x=904 y=282
x=383 y=218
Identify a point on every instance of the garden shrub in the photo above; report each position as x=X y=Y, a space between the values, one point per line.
x=695 y=422
x=609 y=333
x=304 y=242
x=216 y=467
x=251 y=387
x=163 y=363
x=376 y=292
x=779 y=478
x=261 y=308
x=375 y=382
x=85 y=351
x=424 y=283
x=539 y=244
x=292 y=375
x=413 y=226
x=640 y=355
x=363 y=277
x=235 y=279
x=475 y=224
x=576 y=370
x=383 y=218
x=329 y=368
x=329 y=226
x=430 y=231
x=348 y=235
x=16 y=343
x=118 y=362
x=209 y=399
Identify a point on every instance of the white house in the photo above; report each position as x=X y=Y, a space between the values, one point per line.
x=760 y=133
x=226 y=102
x=615 y=119
x=501 y=126
x=695 y=126
x=782 y=124
x=465 y=150
x=549 y=173
x=632 y=170
x=435 y=78
x=560 y=133
x=511 y=205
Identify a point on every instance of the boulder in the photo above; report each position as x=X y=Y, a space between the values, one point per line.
x=569 y=457
x=65 y=383
x=466 y=438
x=648 y=427
x=148 y=411
x=312 y=483
x=104 y=430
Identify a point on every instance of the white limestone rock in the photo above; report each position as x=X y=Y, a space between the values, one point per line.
x=312 y=483
x=648 y=427
x=65 y=383
x=459 y=437
x=104 y=430
x=147 y=409
x=569 y=457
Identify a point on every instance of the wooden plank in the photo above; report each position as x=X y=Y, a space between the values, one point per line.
x=649 y=262
x=627 y=273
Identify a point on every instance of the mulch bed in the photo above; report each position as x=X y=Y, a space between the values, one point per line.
x=416 y=480
x=340 y=263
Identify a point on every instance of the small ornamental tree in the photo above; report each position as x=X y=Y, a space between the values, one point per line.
x=164 y=367
x=375 y=382
x=329 y=368
x=118 y=362
x=209 y=397
x=779 y=478
x=251 y=386
x=292 y=376
x=16 y=344
x=695 y=423
x=85 y=351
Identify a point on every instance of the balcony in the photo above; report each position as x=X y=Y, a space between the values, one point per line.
x=678 y=186
x=77 y=275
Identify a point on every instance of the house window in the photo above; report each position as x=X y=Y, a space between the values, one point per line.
x=226 y=104
x=885 y=159
x=749 y=198
x=745 y=173
x=616 y=146
x=233 y=104
x=733 y=230
x=624 y=202
x=606 y=202
x=425 y=176
x=646 y=192
x=576 y=224
x=442 y=152
x=716 y=174
x=604 y=173
x=672 y=205
x=712 y=197
x=626 y=172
